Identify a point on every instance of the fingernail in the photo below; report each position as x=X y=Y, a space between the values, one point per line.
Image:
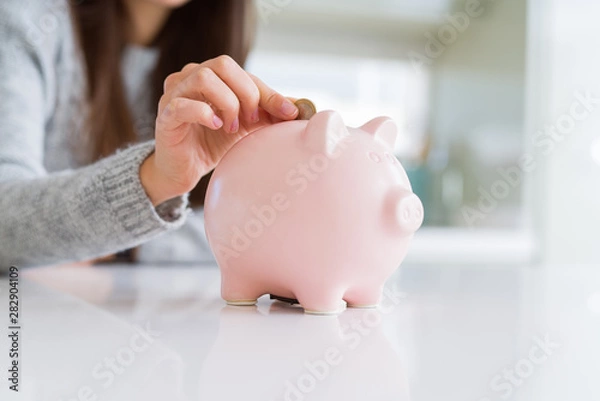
x=254 y=117
x=168 y=111
x=288 y=108
x=235 y=125
x=217 y=122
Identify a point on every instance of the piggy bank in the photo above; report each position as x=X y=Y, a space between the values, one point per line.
x=313 y=211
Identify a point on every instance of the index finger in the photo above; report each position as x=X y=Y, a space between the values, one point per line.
x=273 y=102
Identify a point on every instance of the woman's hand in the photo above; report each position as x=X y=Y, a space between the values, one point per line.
x=205 y=109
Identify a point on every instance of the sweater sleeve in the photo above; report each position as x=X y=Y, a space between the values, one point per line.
x=70 y=215
x=81 y=214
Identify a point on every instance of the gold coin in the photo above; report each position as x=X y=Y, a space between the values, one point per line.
x=306 y=109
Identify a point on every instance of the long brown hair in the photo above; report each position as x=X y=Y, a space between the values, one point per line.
x=195 y=32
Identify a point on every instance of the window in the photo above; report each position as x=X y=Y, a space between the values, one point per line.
x=452 y=77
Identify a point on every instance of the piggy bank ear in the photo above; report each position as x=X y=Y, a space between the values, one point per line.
x=324 y=131
x=383 y=128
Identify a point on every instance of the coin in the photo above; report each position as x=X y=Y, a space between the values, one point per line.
x=306 y=109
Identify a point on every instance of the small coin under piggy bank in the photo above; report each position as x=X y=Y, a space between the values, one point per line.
x=306 y=109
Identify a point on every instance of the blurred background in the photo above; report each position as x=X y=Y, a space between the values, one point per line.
x=483 y=98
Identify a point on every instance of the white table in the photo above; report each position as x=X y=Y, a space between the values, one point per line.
x=444 y=333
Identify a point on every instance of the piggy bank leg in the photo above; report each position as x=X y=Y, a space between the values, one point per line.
x=320 y=302
x=237 y=291
x=364 y=296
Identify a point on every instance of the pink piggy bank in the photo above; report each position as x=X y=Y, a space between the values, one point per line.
x=311 y=210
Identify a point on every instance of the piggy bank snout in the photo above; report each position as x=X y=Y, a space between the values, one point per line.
x=407 y=211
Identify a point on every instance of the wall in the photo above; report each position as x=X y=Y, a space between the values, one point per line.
x=479 y=79
x=566 y=186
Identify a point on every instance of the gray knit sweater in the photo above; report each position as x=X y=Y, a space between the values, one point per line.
x=55 y=208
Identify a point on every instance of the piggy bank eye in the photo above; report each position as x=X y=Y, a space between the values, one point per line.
x=375 y=157
x=391 y=158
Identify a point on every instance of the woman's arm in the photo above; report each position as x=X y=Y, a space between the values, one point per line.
x=109 y=206
x=71 y=215
x=80 y=214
